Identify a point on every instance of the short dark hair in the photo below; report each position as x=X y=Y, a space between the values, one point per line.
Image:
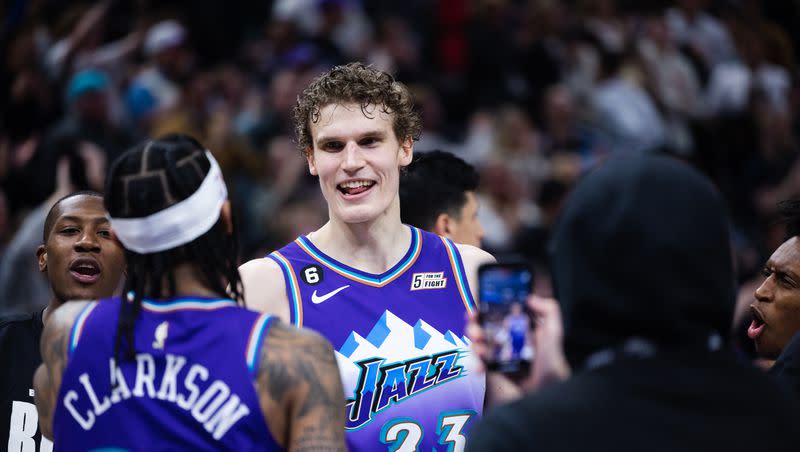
x=435 y=182
x=362 y=85
x=147 y=179
x=789 y=212
x=51 y=214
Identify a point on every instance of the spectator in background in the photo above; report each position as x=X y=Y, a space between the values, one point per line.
x=83 y=47
x=23 y=288
x=563 y=131
x=192 y=116
x=31 y=108
x=505 y=207
x=437 y=193
x=156 y=88
x=623 y=110
x=733 y=84
x=673 y=81
x=216 y=127
x=512 y=171
x=87 y=124
x=700 y=33
x=338 y=28
x=642 y=267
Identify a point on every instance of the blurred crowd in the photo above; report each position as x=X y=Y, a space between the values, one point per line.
x=531 y=92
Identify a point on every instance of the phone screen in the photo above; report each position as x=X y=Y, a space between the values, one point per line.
x=503 y=292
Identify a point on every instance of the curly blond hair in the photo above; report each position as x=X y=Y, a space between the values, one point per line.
x=360 y=84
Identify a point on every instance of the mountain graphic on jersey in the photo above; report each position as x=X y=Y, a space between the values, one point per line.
x=382 y=369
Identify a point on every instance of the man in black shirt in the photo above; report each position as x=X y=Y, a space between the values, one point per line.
x=82 y=260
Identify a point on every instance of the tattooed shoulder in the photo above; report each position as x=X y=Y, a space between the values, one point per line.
x=55 y=335
x=54 y=343
x=300 y=374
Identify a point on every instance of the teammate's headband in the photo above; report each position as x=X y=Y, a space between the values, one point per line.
x=179 y=223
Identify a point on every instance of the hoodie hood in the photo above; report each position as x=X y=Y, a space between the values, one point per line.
x=642 y=250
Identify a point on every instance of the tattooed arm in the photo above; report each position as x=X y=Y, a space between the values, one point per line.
x=53 y=347
x=300 y=390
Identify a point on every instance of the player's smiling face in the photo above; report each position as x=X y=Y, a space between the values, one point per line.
x=357 y=158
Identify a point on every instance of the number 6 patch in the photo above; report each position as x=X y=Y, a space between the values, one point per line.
x=311 y=275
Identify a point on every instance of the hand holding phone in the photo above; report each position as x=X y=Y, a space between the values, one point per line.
x=504 y=288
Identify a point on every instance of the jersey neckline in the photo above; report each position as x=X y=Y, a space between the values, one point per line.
x=186 y=302
x=372 y=279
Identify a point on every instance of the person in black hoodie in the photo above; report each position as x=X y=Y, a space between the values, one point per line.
x=642 y=266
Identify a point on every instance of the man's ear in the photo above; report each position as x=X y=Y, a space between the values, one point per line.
x=227 y=217
x=41 y=258
x=442 y=225
x=406 y=151
x=312 y=166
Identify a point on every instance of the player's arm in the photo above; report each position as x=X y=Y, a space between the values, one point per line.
x=264 y=287
x=53 y=347
x=300 y=390
x=473 y=257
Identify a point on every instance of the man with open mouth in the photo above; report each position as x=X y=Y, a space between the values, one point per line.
x=775 y=328
x=82 y=260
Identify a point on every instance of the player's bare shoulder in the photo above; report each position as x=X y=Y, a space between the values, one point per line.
x=473 y=257
x=264 y=287
x=53 y=346
x=60 y=321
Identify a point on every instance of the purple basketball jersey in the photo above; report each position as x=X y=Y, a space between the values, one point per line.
x=191 y=386
x=408 y=376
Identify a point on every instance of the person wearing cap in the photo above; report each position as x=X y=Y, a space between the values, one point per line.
x=157 y=87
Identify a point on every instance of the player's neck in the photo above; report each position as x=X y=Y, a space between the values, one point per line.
x=373 y=247
x=188 y=282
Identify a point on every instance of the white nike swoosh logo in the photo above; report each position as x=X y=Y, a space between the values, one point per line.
x=320 y=299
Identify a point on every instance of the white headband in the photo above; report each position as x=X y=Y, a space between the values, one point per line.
x=179 y=223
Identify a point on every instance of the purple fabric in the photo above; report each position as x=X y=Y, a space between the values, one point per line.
x=405 y=363
x=179 y=412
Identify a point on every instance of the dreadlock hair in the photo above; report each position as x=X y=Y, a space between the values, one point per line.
x=147 y=179
x=790 y=216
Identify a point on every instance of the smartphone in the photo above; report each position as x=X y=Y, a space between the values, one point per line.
x=503 y=290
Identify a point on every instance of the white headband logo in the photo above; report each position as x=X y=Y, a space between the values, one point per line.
x=178 y=224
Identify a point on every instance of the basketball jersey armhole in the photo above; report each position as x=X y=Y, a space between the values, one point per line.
x=77 y=328
x=461 y=276
x=255 y=342
x=292 y=288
